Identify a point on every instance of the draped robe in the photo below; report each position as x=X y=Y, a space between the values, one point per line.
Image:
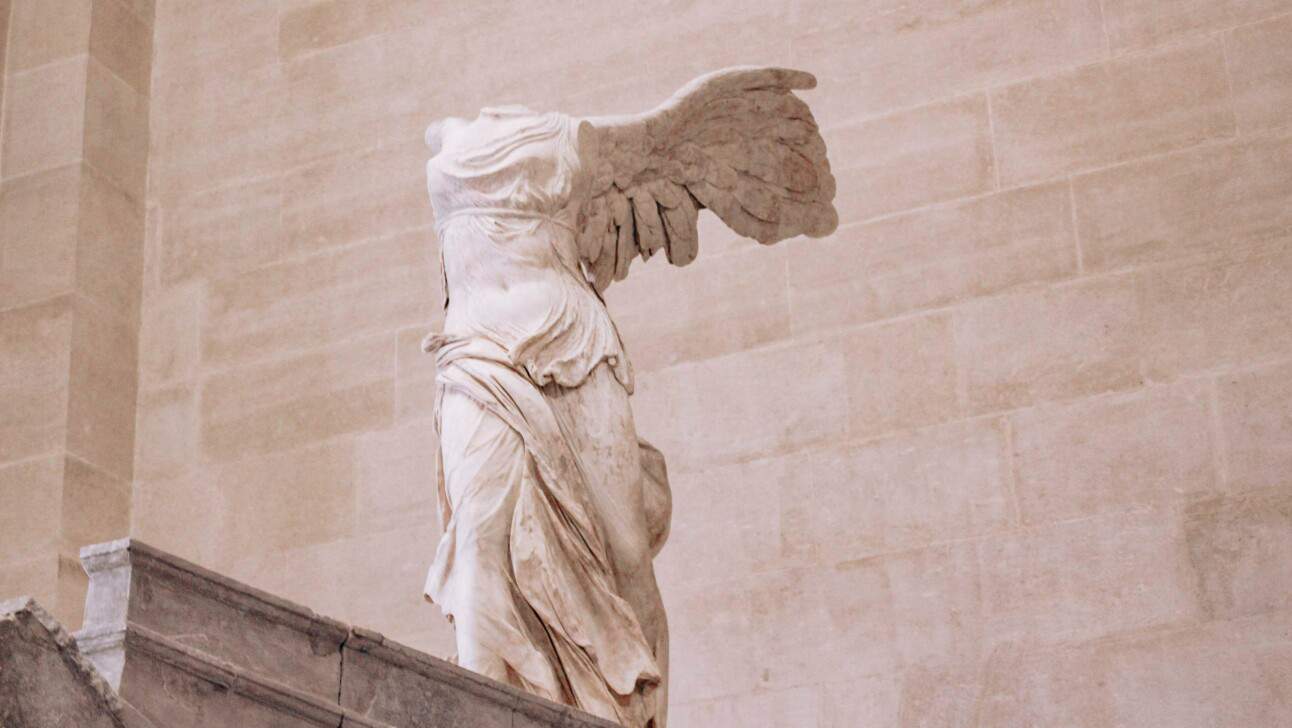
x=537 y=444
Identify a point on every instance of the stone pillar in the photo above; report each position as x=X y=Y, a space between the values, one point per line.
x=73 y=166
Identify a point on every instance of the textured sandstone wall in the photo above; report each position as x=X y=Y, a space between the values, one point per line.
x=75 y=78
x=1012 y=447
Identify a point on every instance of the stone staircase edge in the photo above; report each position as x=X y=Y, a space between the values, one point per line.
x=533 y=706
x=211 y=583
x=70 y=652
x=245 y=683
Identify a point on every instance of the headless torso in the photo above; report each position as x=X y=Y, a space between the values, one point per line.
x=502 y=192
x=505 y=188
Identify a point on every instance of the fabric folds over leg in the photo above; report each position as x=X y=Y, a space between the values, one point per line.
x=558 y=560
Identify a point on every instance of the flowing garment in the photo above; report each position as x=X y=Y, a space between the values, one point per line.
x=552 y=507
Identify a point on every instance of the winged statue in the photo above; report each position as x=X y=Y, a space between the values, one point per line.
x=553 y=508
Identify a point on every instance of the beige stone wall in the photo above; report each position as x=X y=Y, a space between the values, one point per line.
x=1011 y=448
x=73 y=163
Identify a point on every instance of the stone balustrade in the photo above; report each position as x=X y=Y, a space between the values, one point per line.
x=167 y=643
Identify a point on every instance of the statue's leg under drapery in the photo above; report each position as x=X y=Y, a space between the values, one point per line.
x=502 y=519
x=498 y=635
x=596 y=418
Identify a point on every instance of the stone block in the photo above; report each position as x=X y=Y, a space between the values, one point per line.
x=415 y=373
x=95 y=507
x=899 y=54
x=939 y=695
x=874 y=696
x=848 y=602
x=101 y=389
x=1234 y=673
x=912 y=158
x=1260 y=63
x=5 y=11
x=740 y=407
x=44 y=680
x=1238 y=546
x=900 y=375
x=44 y=114
x=45 y=31
x=116 y=129
x=942 y=483
x=169 y=333
x=388 y=682
x=1088 y=578
x=1137 y=24
x=1067 y=685
x=704 y=661
x=36 y=576
x=727 y=521
x=1255 y=410
x=934 y=599
x=1108 y=454
x=223 y=231
x=297 y=401
x=35 y=348
x=322 y=25
x=1223 y=199
x=1210 y=315
x=166 y=432
x=932 y=257
x=361 y=94
x=224 y=39
x=360 y=195
x=39 y=237
x=1225 y=673
x=716 y=305
x=1057 y=343
x=137 y=589
x=361 y=575
x=32 y=491
x=326 y=367
x=122 y=42
x=285 y=308
x=176 y=513
x=289 y=498
x=109 y=251
x=395 y=476
x=1111 y=112
x=792 y=708
x=222 y=126
x=146 y=10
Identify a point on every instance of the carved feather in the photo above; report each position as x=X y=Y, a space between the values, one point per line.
x=737 y=142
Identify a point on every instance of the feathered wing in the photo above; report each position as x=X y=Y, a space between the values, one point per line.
x=737 y=141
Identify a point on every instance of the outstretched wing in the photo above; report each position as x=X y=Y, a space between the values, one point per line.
x=737 y=141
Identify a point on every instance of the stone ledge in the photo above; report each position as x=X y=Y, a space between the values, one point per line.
x=135 y=585
x=132 y=552
x=424 y=675
x=180 y=642
x=282 y=700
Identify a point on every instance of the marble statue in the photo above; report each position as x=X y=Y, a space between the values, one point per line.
x=553 y=507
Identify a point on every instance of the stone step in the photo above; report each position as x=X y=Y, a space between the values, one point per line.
x=188 y=647
x=178 y=686
x=44 y=680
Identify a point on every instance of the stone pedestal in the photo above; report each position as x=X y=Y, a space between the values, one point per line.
x=180 y=646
